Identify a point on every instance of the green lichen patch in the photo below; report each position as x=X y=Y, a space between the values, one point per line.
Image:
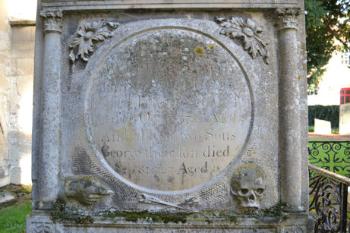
x=199 y=50
x=211 y=46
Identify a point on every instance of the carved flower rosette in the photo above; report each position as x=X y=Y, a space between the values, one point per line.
x=87 y=37
x=248 y=33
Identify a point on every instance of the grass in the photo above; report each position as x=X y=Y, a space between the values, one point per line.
x=12 y=218
x=311 y=129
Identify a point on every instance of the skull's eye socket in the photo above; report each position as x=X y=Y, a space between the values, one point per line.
x=260 y=191
x=244 y=191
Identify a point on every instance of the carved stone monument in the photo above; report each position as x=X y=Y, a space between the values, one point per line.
x=170 y=116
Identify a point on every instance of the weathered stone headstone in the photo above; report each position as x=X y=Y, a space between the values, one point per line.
x=344 y=119
x=170 y=116
x=322 y=127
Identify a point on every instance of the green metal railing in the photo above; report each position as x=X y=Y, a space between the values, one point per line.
x=331 y=155
x=329 y=170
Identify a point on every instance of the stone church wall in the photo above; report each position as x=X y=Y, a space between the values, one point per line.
x=16 y=91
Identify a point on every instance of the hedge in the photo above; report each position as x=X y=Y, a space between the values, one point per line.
x=327 y=113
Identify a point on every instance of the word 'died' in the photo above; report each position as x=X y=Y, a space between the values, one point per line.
x=211 y=152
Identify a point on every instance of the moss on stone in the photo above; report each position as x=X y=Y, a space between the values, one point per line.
x=275 y=211
x=59 y=213
x=58 y=210
x=145 y=215
x=232 y=218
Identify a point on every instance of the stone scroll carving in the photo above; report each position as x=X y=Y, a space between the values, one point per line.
x=87 y=190
x=88 y=36
x=248 y=186
x=247 y=32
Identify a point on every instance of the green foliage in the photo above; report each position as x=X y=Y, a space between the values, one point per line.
x=12 y=218
x=327 y=113
x=327 y=22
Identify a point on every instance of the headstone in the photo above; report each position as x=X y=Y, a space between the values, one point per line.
x=322 y=127
x=344 y=119
x=170 y=116
x=6 y=197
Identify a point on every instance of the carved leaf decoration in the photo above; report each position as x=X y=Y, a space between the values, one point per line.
x=87 y=37
x=248 y=33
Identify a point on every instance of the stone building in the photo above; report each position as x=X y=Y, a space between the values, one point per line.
x=17 y=29
x=336 y=77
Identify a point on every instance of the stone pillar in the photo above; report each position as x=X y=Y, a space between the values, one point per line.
x=290 y=126
x=48 y=169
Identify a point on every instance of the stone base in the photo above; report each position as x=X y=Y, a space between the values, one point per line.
x=40 y=222
x=4 y=181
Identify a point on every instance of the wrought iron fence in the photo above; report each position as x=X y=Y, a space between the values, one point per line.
x=329 y=185
x=328 y=200
x=331 y=155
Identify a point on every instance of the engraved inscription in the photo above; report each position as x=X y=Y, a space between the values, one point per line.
x=168 y=109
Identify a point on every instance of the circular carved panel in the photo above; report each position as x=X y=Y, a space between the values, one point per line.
x=168 y=109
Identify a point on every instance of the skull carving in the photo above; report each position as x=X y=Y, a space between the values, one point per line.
x=248 y=186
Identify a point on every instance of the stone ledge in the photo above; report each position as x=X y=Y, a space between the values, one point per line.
x=21 y=22
x=41 y=220
x=161 y=4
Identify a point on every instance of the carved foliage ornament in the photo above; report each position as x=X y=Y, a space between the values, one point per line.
x=52 y=20
x=247 y=32
x=87 y=37
x=288 y=17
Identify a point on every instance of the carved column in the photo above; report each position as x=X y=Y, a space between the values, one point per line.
x=48 y=180
x=290 y=127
